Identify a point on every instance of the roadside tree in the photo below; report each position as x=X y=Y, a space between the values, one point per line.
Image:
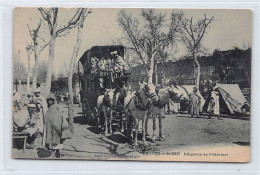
x=195 y=31
x=147 y=40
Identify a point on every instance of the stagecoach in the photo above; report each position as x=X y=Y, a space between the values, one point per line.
x=100 y=72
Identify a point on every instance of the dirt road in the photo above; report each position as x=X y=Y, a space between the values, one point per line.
x=180 y=131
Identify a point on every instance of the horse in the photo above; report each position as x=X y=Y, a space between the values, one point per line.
x=114 y=102
x=105 y=103
x=119 y=97
x=157 y=109
x=136 y=106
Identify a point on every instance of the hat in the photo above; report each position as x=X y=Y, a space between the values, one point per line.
x=38 y=90
x=51 y=96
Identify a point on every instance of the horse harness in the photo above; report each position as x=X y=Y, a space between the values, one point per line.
x=138 y=101
x=115 y=103
x=161 y=103
x=106 y=101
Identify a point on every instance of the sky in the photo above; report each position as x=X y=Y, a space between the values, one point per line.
x=230 y=28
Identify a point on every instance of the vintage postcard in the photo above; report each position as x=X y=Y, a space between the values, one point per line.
x=132 y=84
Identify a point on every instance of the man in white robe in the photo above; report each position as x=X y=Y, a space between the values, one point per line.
x=214 y=103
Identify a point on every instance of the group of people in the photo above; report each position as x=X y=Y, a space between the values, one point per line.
x=42 y=118
x=195 y=103
x=115 y=66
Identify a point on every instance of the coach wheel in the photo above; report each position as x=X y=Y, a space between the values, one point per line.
x=96 y=117
x=85 y=110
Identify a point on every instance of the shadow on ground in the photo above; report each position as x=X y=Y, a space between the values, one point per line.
x=200 y=117
x=208 y=131
x=242 y=143
x=95 y=130
x=215 y=117
x=118 y=138
x=80 y=120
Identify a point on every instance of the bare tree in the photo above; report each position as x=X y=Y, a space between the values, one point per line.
x=163 y=57
x=194 y=35
x=16 y=65
x=19 y=72
x=146 y=41
x=83 y=16
x=28 y=51
x=38 y=45
x=51 y=16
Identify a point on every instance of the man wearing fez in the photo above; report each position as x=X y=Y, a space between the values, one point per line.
x=55 y=126
x=41 y=109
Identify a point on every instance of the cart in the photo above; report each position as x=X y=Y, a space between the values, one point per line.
x=94 y=79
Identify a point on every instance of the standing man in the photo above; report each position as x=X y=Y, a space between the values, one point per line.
x=211 y=106
x=194 y=103
x=54 y=121
x=214 y=103
x=41 y=108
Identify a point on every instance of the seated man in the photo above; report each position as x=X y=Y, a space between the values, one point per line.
x=120 y=65
x=22 y=122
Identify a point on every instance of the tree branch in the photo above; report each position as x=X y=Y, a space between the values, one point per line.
x=45 y=45
x=72 y=23
x=46 y=16
x=204 y=28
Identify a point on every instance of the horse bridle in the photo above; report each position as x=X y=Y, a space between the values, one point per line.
x=144 y=89
x=148 y=95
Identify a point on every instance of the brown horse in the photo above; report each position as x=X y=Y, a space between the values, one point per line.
x=136 y=108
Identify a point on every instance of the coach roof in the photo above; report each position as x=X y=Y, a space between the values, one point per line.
x=102 y=51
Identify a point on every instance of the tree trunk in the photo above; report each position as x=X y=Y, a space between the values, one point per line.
x=72 y=64
x=197 y=69
x=35 y=72
x=50 y=65
x=150 y=70
x=28 y=71
x=156 y=73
